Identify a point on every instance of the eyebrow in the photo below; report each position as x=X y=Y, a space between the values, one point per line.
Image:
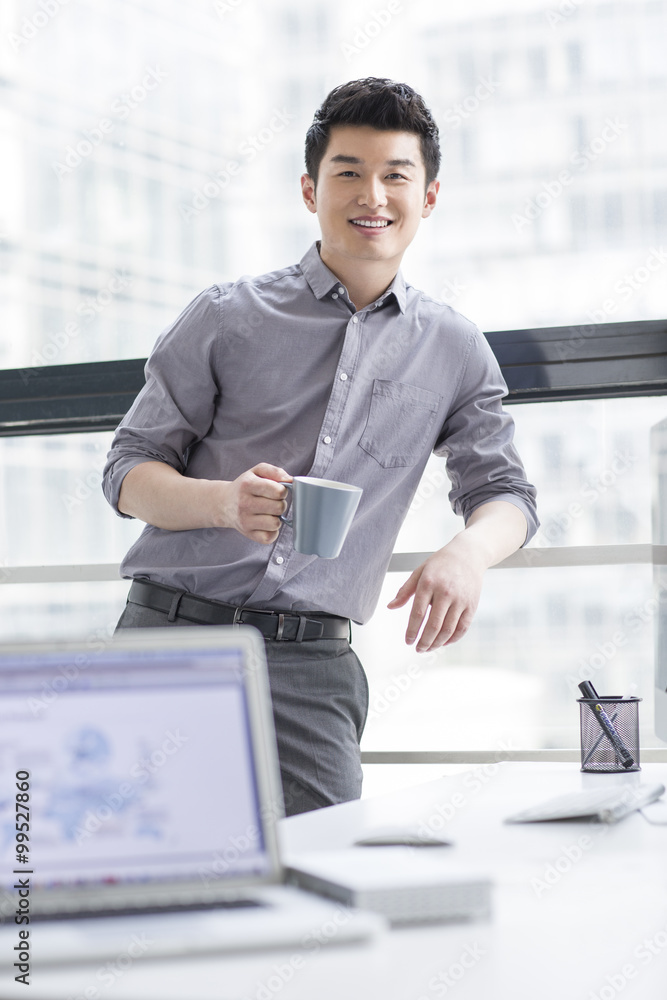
x=342 y=158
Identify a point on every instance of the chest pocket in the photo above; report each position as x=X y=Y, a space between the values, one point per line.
x=399 y=424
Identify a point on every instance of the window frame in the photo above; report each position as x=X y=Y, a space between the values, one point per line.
x=548 y=364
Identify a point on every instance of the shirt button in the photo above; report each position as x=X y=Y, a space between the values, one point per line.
x=343 y=377
x=335 y=295
x=280 y=560
x=341 y=291
x=355 y=319
x=327 y=439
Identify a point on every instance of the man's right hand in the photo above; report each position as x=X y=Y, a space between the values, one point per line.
x=253 y=503
x=158 y=494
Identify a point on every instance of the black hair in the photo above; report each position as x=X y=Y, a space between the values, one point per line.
x=381 y=104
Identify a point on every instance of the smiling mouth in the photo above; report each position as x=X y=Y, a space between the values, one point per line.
x=367 y=224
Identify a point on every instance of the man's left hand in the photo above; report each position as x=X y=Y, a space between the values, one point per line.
x=450 y=583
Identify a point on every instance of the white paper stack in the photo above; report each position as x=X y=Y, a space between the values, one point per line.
x=406 y=885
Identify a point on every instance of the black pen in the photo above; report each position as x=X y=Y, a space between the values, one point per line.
x=607 y=726
x=597 y=743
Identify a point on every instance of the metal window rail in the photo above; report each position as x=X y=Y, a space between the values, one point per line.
x=401 y=562
x=648 y=755
x=601 y=360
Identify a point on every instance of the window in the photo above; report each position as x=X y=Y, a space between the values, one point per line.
x=550 y=213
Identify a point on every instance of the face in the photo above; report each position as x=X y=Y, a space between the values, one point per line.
x=371 y=193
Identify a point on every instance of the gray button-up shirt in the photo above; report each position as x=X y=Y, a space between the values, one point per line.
x=282 y=368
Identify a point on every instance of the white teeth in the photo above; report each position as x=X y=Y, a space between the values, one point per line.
x=370 y=225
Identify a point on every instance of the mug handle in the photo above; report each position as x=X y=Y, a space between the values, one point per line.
x=288 y=486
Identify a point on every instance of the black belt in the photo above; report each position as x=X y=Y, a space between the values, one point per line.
x=277 y=625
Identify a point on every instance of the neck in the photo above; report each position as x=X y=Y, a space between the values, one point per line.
x=365 y=280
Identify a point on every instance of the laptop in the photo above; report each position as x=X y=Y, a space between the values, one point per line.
x=144 y=774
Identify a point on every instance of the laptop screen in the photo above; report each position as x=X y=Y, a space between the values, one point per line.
x=140 y=767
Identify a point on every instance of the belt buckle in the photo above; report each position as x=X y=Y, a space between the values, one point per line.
x=303 y=621
x=238 y=620
x=281 y=625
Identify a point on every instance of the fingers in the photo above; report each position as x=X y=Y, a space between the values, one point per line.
x=440 y=626
x=266 y=488
x=273 y=472
x=263 y=537
x=434 y=624
x=259 y=500
x=448 y=620
x=450 y=587
x=261 y=504
x=406 y=591
x=259 y=517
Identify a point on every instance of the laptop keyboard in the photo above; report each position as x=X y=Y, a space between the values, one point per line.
x=228 y=904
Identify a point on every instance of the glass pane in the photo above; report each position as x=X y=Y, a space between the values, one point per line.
x=590 y=463
x=129 y=183
x=511 y=682
x=41 y=611
x=53 y=506
x=430 y=521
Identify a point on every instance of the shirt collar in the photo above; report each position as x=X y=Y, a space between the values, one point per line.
x=322 y=280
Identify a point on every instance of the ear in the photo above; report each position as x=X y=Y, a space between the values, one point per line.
x=308 y=192
x=430 y=198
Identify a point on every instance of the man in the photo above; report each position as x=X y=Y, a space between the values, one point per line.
x=336 y=368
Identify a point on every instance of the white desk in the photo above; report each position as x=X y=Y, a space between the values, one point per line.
x=572 y=919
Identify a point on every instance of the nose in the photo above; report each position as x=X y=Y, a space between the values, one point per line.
x=372 y=193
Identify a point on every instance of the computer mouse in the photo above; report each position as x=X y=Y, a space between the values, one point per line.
x=401 y=840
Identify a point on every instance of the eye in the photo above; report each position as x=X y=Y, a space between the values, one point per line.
x=347 y=173
x=400 y=176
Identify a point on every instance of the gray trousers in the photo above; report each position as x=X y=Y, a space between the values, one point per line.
x=319 y=693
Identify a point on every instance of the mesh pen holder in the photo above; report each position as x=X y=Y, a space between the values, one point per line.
x=606 y=743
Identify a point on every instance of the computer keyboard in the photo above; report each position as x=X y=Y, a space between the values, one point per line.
x=607 y=805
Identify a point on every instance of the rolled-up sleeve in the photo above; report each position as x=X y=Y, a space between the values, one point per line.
x=175 y=408
x=477 y=441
